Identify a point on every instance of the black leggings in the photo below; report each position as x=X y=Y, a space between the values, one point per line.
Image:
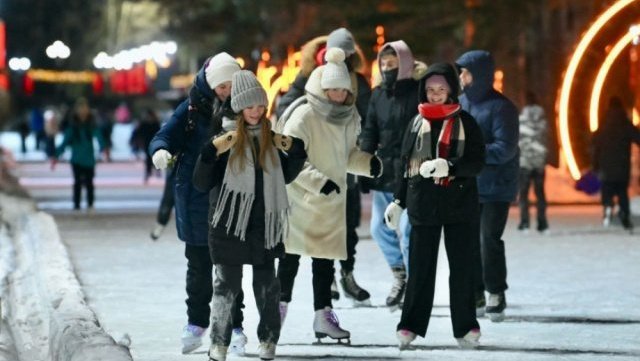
x=82 y=177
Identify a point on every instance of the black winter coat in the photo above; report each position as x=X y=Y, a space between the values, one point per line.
x=226 y=248
x=430 y=204
x=390 y=111
x=611 y=147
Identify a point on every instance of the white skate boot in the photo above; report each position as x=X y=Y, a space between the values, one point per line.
x=405 y=337
x=217 y=353
x=238 y=342
x=191 y=338
x=325 y=323
x=267 y=351
x=470 y=340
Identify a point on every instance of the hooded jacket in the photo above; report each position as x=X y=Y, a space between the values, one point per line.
x=318 y=221
x=390 y=111
x=428 y=203
x=185 y=139
x=497 y=117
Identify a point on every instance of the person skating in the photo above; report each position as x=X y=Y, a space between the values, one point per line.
x=179 y=141
x=246 y=169
x=328 y=124
x=611 y=146
x=393 y=105
x=312 y=56
x=497 y=116
x=442 y=152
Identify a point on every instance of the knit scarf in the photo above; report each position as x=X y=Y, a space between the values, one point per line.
x=238 y=192
x=333 y=113
x=450 y=144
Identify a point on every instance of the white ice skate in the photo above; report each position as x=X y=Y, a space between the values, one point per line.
x=470 y=340
x=217 y=353
x=267 y=351
x=405 y=337
x=325 y=324
x=191 y=338
x=238 y=342
x=496 y=305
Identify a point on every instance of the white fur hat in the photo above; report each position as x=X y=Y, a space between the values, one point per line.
x=220 y=69
x=335 y=74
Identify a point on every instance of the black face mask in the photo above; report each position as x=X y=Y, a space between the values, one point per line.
x=389 y=77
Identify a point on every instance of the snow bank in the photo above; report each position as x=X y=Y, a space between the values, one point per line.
x=45 y=307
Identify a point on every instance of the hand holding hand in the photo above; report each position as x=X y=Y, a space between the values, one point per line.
x=329 y=187
x=161 y=158
x=392 y=215
x=376 y=167
x=435 y=168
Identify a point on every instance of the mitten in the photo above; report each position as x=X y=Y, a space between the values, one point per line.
x=282 y=142
x=392 y=214
x=376 y=166
x=224 y=142
x=161 y=158
x=435 y=168
x=329 y=187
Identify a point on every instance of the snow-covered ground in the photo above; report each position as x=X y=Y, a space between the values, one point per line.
x=573 y=295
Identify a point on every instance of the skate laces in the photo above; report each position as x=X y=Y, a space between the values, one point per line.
x=194 y=330
x=331 y=317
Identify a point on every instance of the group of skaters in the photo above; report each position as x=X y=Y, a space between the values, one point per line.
x=437 y=146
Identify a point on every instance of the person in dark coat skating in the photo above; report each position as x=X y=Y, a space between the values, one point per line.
x=442 y=152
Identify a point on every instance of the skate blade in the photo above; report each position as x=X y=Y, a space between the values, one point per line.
x=496 y=317
x=363 y=303
x=190 y=347
x=338 y=341
x=467 y=345
x=395 y=308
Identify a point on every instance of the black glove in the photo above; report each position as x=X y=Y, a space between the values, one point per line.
x=376 y=166
x=329 y=187
x=297 y=147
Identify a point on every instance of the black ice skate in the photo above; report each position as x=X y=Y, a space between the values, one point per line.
x=325 y=324
x=352 y=290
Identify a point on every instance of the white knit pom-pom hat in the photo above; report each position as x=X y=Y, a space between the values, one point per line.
x=335 y=74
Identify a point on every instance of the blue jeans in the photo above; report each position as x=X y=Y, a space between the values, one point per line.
x=394 y=247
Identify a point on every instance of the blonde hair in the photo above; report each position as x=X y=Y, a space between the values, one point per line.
x=237 y=159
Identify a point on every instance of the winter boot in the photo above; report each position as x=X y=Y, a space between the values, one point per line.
x=335 y=294
x=352 y=290
x=267 y=351
x=284 y=306
x=405 y=337
x=523 y=227
x=191 y=338
x=238 y=342
x=626 y=222
x=543 y=226
x=470 y=340
x=398 y=287
x=325 y=323
x=495 y=306
x=217 y=353
x=481 y=303
x=157 y=230
x=606 y=219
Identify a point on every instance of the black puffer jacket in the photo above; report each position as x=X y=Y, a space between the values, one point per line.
x=226 y=248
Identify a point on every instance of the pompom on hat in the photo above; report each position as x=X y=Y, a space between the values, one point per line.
x=246 y=91
x=220 y=69
x=335 y=74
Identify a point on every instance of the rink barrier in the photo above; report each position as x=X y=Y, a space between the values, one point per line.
x=45 y=299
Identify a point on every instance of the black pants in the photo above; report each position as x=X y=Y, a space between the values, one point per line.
x=82 y=177
x=423 y=259
x=226 y=289
x=616 y=189
x=322 y=270
x=353 y=221
x=489 y=262
x=168 y=201
x=200 y=288
x=527 y=177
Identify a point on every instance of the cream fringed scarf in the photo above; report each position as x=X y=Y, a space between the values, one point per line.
x=238 y=193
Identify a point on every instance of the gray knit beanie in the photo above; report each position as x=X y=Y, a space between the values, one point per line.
x=246 y=91
x=343 y=39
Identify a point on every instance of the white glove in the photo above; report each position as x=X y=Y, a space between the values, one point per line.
x=435 y=168
x=392 y=215
x=161 y=158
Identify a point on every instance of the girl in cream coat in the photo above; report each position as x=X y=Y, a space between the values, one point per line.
x=328 y=124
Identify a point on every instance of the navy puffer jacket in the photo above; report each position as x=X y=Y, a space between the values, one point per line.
x=497 y=117
x=179 y=139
